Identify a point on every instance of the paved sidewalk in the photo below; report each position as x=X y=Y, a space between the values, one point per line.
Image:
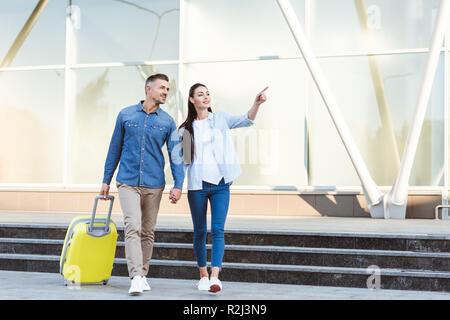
x=49 y=286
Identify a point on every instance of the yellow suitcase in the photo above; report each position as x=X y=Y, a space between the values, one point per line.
x=89 y=248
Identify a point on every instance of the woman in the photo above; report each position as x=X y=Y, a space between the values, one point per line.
x=212 y=165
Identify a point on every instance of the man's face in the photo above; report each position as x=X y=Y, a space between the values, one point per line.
x=157 y=91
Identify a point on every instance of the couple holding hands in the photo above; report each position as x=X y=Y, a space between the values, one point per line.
x=208 y=154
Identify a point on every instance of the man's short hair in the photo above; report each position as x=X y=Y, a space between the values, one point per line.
x=153 y=77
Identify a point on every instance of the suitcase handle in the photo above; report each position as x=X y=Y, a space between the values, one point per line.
x=94 y=210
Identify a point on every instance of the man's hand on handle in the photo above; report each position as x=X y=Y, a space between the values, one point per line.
x=104 y=191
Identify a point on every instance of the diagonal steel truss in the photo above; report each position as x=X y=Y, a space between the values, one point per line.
x=393 y=204
x=24 y=32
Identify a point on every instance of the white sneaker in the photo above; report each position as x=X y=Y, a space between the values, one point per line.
x=145 y=285
x=136 y=286
x=203 y=284
x=214 y=285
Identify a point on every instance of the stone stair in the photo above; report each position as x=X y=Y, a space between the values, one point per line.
x=404 y=262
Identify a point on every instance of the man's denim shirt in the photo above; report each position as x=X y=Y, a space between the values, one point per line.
x=221 y=123
x=137 y=143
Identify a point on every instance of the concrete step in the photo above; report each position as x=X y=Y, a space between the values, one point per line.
x=398 y=279
x=406 y=262
x=257 y=254
x=394 y=242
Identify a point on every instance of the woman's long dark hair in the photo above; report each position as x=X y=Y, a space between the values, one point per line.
x=189 y=127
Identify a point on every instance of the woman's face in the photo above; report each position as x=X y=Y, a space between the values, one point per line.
x=201 y=98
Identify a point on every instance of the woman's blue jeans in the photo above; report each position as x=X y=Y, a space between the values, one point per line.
x=219 y=198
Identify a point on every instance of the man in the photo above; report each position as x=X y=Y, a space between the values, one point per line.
x=139 y=135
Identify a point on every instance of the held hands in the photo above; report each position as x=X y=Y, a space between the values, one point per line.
x=175 y=195
x=261 y=97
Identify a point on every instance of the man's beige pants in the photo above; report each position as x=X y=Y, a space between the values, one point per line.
x=140 y=208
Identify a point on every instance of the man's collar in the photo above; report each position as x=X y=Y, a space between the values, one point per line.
x=140 y=107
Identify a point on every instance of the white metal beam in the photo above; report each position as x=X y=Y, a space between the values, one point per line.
x=392 y=204
x=395 y=200
x=373 y=196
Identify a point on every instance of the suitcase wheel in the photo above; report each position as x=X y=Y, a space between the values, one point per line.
x=68 y=282
x=105 y=282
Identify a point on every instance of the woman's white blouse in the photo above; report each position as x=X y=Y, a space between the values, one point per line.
x=221 y=150
x=205 y=152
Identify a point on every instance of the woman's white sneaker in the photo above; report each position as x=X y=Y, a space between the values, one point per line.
x=203 y=284
x=214 y=285
x=136 y=286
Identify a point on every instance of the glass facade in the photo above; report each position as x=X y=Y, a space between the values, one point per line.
x=360 y=25
x=402 y=75
x=67 y=67
x=137 y=30
x=31 y=126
